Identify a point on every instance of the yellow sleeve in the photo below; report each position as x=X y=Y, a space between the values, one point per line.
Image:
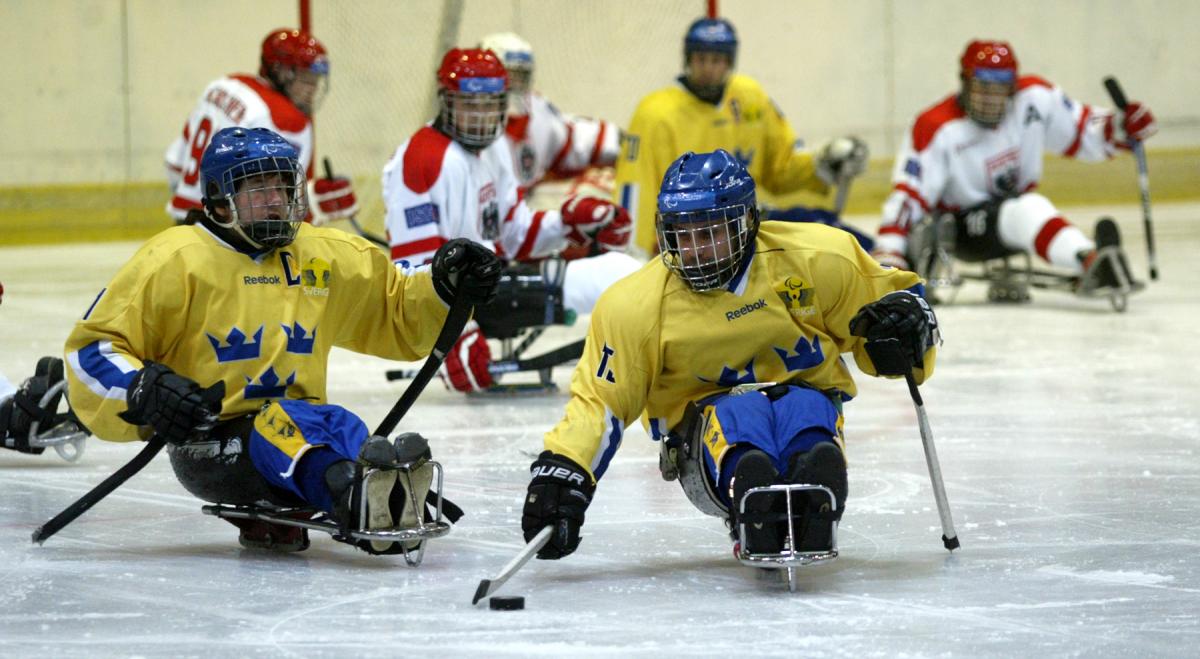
x=787 y=168
x=610 y=384
x=105 y=349
x=862 y=281
x=398 y=315
x=647 y=150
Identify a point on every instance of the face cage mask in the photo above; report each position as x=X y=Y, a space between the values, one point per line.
x=269 y=214
x=705 y=248
x=292 y=81
x=987 y=103
x=520 y=85
x=479 y=121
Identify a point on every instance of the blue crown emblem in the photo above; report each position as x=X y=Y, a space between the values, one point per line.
x=236 y=348
x=806 y=355
x=296 y=341
x=269 y=385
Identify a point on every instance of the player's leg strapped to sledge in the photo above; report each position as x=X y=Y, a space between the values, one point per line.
x=302 y=460
x=780 y=437
x=1023 y=225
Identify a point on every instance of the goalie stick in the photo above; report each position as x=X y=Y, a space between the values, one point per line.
x=1139 y=154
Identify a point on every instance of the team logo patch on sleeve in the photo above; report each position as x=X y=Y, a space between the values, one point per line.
x=913 y=168
x=316 y=276
x=797 y=296
x=418 y=216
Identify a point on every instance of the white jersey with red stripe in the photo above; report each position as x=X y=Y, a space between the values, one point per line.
x=436 y=190
x=546 y=142
x=235 y=100
x=948 y=162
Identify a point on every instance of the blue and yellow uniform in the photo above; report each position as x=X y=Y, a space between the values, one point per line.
x=264 y=325
x=673 y=120
x=654 y=345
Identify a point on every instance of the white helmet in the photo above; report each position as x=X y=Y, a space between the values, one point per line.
x=517 y=56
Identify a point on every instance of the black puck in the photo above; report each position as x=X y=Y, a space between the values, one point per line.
x=501 y=603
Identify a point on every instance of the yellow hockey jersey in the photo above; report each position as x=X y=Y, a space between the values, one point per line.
x=673 y=121
x=265 y=326
x=654 y=345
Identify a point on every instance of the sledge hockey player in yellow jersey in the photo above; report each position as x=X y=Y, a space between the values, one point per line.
x=729 y=348
x=712 y=108
x=216 y=334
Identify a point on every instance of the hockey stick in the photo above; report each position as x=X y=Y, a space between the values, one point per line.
x=460 y=312
x=56 y=524
x=889 y=359
x=456 y=320
x=488 y=586
x=839 y=202
x=949 y=536
x=352 y=220
x=1139 y=154
x=548 y=360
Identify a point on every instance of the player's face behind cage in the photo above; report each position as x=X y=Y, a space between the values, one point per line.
x=705 y=248
x=307 y=89
x=475 y=120
x=268 y=206
x=986 y=101
x=708 y=70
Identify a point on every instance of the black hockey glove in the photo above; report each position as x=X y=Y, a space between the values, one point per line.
x=558 y=496
x=899 y=328
x=467 y=266
x=175 y=406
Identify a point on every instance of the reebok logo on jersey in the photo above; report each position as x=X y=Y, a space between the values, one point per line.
x=260 y=279
x=747 y=309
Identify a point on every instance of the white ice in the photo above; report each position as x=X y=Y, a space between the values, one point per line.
x=1068 y=437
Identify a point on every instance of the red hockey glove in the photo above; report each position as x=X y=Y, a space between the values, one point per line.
x=584 y=217
x=614 y=237
x=466 y=365
x=1138 y=122
x=334 y=200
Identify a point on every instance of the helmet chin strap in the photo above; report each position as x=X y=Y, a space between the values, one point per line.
x=234 y=225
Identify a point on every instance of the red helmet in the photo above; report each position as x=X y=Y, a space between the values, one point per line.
x=293 y=49
x=481 y=67
x=473 y=86
x=296 y=65
x=990 y=61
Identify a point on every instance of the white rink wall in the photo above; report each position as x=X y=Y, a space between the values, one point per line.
x=98 y=88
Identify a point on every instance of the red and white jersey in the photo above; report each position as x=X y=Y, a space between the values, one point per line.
x=546 y=142
x=948 y=162
x=435 y=190
x=236 y=100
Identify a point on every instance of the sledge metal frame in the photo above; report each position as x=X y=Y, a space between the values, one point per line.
x=1007 y=282
x=66 y=437
x=790 y=559
x=322 y=522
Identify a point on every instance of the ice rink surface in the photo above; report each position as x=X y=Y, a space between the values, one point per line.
x=1068 y=437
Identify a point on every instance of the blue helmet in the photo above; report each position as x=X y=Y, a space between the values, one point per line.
x=711 y=34
x=707 y=218
x=256 y=175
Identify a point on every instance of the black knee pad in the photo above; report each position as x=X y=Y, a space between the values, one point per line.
x=977 y=233
x=218 y=469
x=525 y=298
